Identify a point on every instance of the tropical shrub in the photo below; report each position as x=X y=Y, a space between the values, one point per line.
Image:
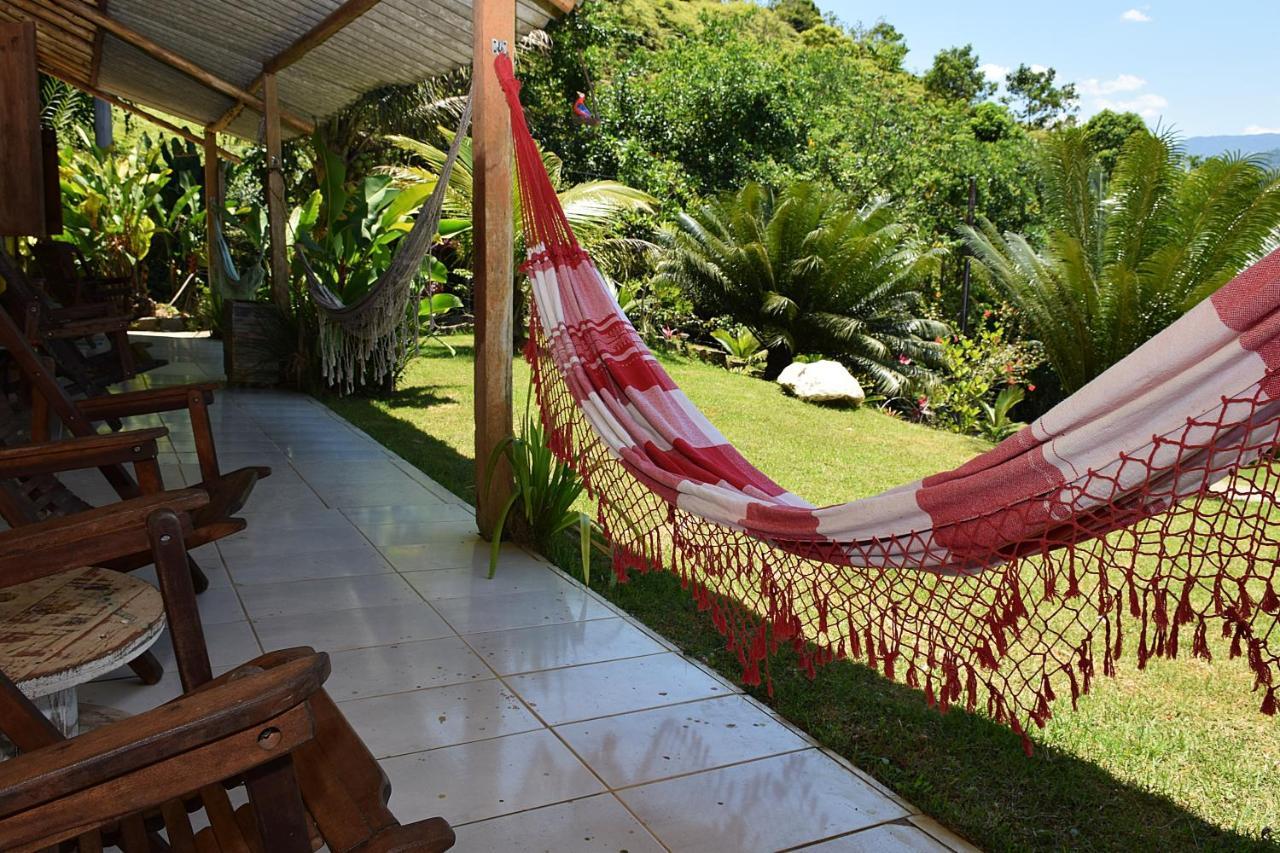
x=980 y=368
x=109 y=202
x=808 y=270
x=595 y=209
x=349 y=231
x=1124 y=258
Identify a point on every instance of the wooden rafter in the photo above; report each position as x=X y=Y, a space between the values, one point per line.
x=332 y=24
x=174 y=60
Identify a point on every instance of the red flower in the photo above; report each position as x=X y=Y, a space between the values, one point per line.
x=902 y=359
x=1031 y=387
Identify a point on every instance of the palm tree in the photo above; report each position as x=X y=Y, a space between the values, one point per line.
x=1123 y=259
x=807 y=271
x=594 y=208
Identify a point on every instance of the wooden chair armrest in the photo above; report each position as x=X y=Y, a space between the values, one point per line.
x=84 y=327
x=181 y=729
x=73 y=454
x=90 y=537
x=151 y=401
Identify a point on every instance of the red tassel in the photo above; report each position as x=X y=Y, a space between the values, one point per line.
x=1269 y=703
x=1270 y=601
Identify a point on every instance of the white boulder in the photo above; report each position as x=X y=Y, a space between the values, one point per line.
x=822 y=382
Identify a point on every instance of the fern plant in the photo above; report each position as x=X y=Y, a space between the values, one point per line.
x=1123 y=259
x=808 y=270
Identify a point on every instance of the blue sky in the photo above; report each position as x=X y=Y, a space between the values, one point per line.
x=1199 y=66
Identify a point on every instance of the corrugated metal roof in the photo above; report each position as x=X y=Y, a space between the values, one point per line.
x=397 y=41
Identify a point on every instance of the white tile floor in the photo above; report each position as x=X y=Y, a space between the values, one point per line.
x=526 y=710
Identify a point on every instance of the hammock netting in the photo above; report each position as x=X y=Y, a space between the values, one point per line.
x=1136 y=520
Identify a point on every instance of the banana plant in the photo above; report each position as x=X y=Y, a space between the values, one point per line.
x=350 y=231
x=109 y=200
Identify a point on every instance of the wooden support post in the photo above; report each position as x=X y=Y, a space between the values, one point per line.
x=214 y=206
x=493 y=20
x=280 y=279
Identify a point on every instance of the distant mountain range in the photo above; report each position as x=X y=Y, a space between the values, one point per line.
x=1254 y=143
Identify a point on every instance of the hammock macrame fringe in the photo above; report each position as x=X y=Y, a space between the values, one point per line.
x=1134 y=522
x=369 y=339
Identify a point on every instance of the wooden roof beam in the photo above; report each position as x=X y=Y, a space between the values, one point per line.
x=557 y=7
x=154 y=119
x=332 y=24
x=175 y=60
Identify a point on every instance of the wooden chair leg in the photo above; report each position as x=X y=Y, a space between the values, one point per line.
x=120 y=343
x=22 y=722
x=174 y=574
x=277 y=807
x=147 y=668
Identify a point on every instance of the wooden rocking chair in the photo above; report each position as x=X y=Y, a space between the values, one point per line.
x=227 y=492
x=66 y=274
x=31 y=492
x=267 y=727
x=58 y=329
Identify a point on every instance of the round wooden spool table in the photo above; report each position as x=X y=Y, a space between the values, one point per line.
x=62 y=631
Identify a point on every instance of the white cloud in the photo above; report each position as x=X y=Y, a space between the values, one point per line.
x=1093 y=87
x=994 y=73
x=1148 y=105
x=1136 y=16
x=1039 y=69
x=1255 y=129
x=1122 y=93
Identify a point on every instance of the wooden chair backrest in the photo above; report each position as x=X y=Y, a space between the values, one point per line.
x=24 y=500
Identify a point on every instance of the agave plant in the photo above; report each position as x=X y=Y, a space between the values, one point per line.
x=807 y=270
x=545 y=492
x=743 y=352
x=1122 y=260
x=593 y=208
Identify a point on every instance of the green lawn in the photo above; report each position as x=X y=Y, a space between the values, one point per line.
x=1174 y=758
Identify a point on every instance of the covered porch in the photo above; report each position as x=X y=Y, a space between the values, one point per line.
x=526 y=709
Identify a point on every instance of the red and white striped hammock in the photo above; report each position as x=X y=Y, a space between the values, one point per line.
x=1137 y=515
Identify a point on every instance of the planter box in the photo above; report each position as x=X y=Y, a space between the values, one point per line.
x=250 y=351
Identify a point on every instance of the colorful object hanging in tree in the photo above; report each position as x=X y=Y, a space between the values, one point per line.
x=581 y=113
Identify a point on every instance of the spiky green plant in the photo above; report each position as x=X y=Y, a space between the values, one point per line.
x=807 y=270
x=546 y=491
x=1122 y=260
